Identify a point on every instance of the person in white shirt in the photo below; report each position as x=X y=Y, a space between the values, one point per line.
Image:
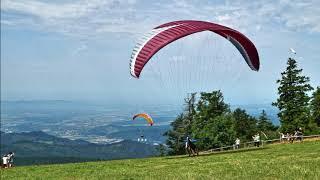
x=256 y=140
x=282 y=137
x=5 y=161
x=237 y=143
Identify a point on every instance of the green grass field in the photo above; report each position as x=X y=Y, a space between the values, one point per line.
x=282 y=161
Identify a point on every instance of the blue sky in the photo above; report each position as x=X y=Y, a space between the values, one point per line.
x=80 y=50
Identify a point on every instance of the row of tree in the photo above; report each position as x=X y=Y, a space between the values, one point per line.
x=210 y=121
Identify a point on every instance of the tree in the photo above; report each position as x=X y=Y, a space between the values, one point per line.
x=190 y=111
x=161 y=149
x=208 y=107
x=211 y=126
x=176 y=136
x=181 y=127
x=315 y=106
x=264 y=123
x=217 y=132
x=245 y=125
x=212 y=104
x=266 y=127
x=293 y=98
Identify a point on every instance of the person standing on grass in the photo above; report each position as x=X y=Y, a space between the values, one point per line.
x=5 y=161
x=258 y=139
x=282 y=137
x=237 y=143
x=288 y=137
x=254 y=137
x=299 y=134
x=10 y=159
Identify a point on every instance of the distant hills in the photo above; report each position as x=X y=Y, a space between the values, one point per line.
x=41 y=148
x=97 y=122
x=42 y=132
x=153 y=134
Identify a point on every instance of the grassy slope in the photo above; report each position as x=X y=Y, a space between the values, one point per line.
x=285 y=161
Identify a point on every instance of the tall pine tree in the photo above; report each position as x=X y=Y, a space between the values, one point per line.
x=212 y=126
x=176 y=136
x=245 y=125
x=181 y=127
x=190 y=111
x=266 y=127
x=264 y=123
x=293 y=98
x=315 y=106
x=210 y=105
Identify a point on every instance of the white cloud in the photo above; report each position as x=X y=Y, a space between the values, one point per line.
x=91 y=17
x=45 y=10
x=81 y=17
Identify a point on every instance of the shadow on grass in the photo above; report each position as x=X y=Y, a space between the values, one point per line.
x=219 y=152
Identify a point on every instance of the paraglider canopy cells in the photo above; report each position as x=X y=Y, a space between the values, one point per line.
x=166 y=33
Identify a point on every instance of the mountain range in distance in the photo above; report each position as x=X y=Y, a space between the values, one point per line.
x=37 y=147
x=98 y=122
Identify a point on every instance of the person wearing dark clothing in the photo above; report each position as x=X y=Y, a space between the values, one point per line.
x=191 y=147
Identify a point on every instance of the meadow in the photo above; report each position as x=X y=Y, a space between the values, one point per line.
x=275 y=161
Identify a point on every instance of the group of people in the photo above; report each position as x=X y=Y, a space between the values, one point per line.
x=297 y=135
x=290 y=137
x=7 y=160
x=142 y=139
x=256 y=140
x=192 y=149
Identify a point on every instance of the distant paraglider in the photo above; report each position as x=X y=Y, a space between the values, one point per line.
x=144 y=116
x=149 y=121
x=166 y=33
x=293 y=51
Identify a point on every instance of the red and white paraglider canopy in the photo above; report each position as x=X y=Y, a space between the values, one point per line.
x=164 y=34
